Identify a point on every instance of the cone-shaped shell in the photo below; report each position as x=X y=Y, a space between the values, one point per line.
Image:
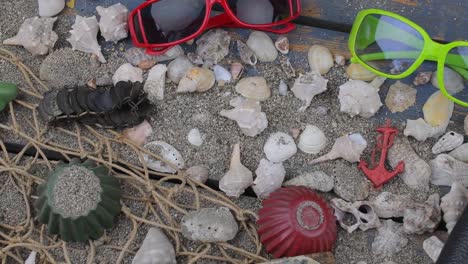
x=255 y=88
x=348 y=147
x=238 y=178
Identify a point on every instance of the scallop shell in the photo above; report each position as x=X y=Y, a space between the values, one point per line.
x=255 y=88
x=320 y=59
x=453 y=81
x=139 y=133
x=238 y=178
x=35 y=35
x=126 y=72
x=438 y=110
x=222 y=75
x=84 y=36
x=349 y=147
x=453 y=204
x=419 y=218
x=312 y=140
x=198 y=173
x=390 y=239
x=213 y=46
x=262 y=46
x=447 y=170
x=113 y=22
x=168 y=154
x=283 y=88
x=270 y=176
x=400 y=97
x=421 y=131
x=196 y=80
x=156 y=83
x=282 y=44
x=155 y=246
x=248 y=115
x=422 y=78
x=287 y=67
x=50 y=8
x=177 y=69
x=236 y=70
x=307 y=86
x=246 y=54
x=195 y=138
x=433 y=246
x=448 y=142
x=417 y=172
x=359 y=98
x=388 y=205
x=356 y=71
x=139 y=58
x=279 y=147
x=316 y=180
x=460 y=153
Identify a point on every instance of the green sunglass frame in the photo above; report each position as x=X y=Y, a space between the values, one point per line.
x=431 y=51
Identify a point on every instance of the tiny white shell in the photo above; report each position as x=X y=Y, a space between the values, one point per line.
x=222 y=75
x=167 y=153
x=238 y=178
x=255 y=88
x=279 y=147
x=50 y=8
x=448 y=142
x=195 y=138
x=320 y=59
x=283 y=88
x=349 y=147
x=282 y=44
x=270 y=176
x=248 y=115
x=127 y=72
x=312 y=140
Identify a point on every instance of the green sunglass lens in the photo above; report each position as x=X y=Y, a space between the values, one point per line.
x=456 y=73
x=387 y=44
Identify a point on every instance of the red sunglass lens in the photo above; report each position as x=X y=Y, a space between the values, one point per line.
x=168 y=21
x=262 y=11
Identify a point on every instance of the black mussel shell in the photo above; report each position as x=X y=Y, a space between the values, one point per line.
x=82 y=96
x=73 y=101
x=62 y=102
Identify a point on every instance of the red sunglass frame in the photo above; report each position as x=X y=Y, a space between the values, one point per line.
x=226 y=19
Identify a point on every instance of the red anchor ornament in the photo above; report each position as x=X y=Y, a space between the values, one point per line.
x=379 y=175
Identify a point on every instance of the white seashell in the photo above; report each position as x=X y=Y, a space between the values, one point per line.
x=50 y=8
x=255 y=88
x=31 y=258
x=248 y=115
x=246 y=54
x=346 y=215
x=465 y=126
x=279 y=147
x=453 y=204
x=390 y=239
x=356 y=71
x=422 y=78
x=209 y=225
x=35 y=35
x=139 y=58
x=453 y=81
x=320 y=59
x=167 y=153
x=113 y=22
x=461 y=153
x=139 y=133
x=447 y=170
x=438 y=110
x=367 y=214
x=340 y=59
x=236 y=70
x=417 y=172
x=312 y=140
x=262 y=46
x=195 y=138
x=288 y=69
x=349 y=147
x=126 y=72
x=198 y=173
x=359 y=98
x=433 y=246
x=196 y=80
x=173 y=53
x=177 y=69
x=316 y=180
x=222 y=75
x=84 y=36
x=270 y=176
x=400 y=97
x=283 y=88
x=156 y=249
x=448 y=142
x=388 y=205
x=422 y=217
x=307 y=86
x=421 y=130
x=282 y=44
x=238 y=178
x=156 y=83
x=213 y=46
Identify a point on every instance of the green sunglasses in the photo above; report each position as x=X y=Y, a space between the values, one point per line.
x=394 y=47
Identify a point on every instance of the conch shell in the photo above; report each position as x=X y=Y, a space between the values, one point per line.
x=421 y=130
x=453 y=204
x=84 y=36
x=448 y=142
x=349 y=147
x=447 y=170
x=248 y=115
x=196 y=80
x=307 y=86
x=113 y=22
x=270 y=176
x=238 y=178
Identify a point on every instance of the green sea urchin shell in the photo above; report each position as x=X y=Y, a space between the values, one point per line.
x=78 y=201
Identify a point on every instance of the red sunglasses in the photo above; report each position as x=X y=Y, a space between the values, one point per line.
x=158 y=25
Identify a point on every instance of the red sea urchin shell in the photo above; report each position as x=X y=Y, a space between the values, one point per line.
x=296 y=221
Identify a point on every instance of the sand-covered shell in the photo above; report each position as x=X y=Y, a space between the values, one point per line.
x=421 y=130
x=279 y=147
x=113 y=22
x=156 y=246
x=255 y=88
x=307 y=86
x=177 y=69
x=438 y=110
x=168 y=154
x=359 y=98
x=126 y=72
x=388 y=205
x=312 y=140
x=50 y=8
x=320 y=59
x=236 y=70
x=433 y=246
x=460 y=153
x=196 y=80
x=422 y=78
x=356 y=71
x=138 y=134
x=156 y=83
x=213 y=46
x=282 y=44
x=262 y=46
x=448 y=142
x=238 y=178
x=248 y=115
x=419 y=218
x=453 y=81
x=270 y=176
x=349 y=147
x=447 y=170
x=195 y=137
x=246 y=54
x=222 y=75
x=35 y=35
x=400 y=97
x=316 y=180
x=453 y=204
x=417 y=172
x=84 y=36
x=198 y=173
x=390 y=239
x=283 y=88
x=139 y=58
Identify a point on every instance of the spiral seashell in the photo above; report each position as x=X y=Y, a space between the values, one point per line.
x=349 y=147
x=177 y=69
x=453 y=204
x=421 y=130
x=238 y=178
x=248 y=115
x=84 y=36
x=246 y=54
x=448 y=142
x=307 y=86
